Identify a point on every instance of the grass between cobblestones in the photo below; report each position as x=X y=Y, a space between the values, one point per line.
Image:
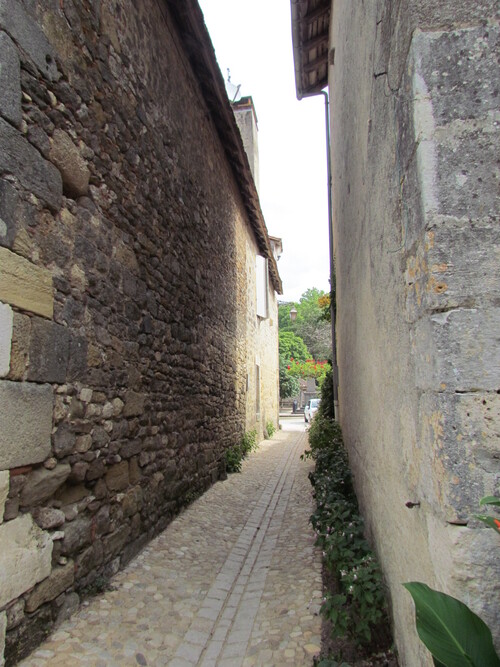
x=354 y=609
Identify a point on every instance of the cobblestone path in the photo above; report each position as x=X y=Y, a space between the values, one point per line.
x=234 y=581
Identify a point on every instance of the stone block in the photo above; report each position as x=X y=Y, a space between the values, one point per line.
x=66 y=157
x=132 y=502
x=458 y=350
x=89 y=559
x=41 y=484
x=3 y=630
x=117 y=477
x=6 y=325
x=70 y=494
x=83 y=443
x=77 y=362
x=36 y=174
x=10 y=81
x=9 y=210
x=79 y=471
x=459 y=443
x=115 y=542
x=26 y=32
x=59 y=580
x=455 y=264
x=49 y=352
x=77 y=535
x=68 y=607
x=25 y=557
x=26 y=411
x=48 y=518
x=455 y=88
x=64 y=440
x=4 y=492
x=134 y=404
x=131 y=448
x=19 y=350
x=15 y=613
x=24 y=285
x=466 y=185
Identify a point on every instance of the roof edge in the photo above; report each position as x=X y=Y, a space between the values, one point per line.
x=200 y=52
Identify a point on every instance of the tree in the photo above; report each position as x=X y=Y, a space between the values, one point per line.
x=309 y=324
x=292 y=346
x=289 y=385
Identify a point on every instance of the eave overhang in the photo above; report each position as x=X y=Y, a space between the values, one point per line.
x=200 y=53
x=310 y=35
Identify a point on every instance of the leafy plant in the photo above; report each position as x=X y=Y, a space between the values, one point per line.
x=329 y=662
x=234 y=455
x=490 y=521
x=270 y=429
x=358 y=606
x=292 y=346
x=234 y=459
x=454 y=635
x=248 y=442
x=289 y=384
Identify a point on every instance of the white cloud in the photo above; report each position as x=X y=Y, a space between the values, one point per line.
x=254 y=40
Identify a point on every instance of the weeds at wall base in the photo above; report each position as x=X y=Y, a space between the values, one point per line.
x=234 y=455
x=354 y=607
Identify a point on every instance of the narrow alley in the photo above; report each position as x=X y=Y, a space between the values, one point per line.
x=234 y=581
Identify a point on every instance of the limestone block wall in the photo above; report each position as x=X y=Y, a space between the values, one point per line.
x=267 y=346
x=259 y=336
x=120 y=374
x=415 y=144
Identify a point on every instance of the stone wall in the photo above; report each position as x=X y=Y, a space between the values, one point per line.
x=415 y=143
x=120 y=348
x=261 y=346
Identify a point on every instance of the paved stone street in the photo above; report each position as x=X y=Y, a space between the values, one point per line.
x=234 y=581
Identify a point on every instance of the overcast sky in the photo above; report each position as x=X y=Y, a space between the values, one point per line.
x=253 y=39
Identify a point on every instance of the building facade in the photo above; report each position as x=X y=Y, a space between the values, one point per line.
x=415 y=188
x=129 y=334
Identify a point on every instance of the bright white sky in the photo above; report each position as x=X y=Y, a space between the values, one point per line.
x=253 y=39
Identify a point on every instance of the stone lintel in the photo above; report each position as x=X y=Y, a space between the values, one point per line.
x=24 y=285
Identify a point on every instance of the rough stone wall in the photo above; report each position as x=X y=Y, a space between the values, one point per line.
x=261 y=340
x=267 y=346
x=119 y=338
x=415 y=144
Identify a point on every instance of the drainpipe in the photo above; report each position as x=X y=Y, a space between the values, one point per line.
x=295 y=7
x=332 y=258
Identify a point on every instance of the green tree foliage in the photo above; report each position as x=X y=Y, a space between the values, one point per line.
x=310 y=324
x=292 y=346
x=289 y=385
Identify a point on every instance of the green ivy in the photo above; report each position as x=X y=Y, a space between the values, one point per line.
x=359 y=604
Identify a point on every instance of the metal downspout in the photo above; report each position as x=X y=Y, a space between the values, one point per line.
x=332 y=259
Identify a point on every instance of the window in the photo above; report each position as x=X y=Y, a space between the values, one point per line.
x=257 y=389
x=261 y=277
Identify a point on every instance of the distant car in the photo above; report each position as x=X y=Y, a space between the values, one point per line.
x=310 y=408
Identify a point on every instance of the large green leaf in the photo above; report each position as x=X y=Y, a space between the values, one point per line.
x=454 y=635
x=490 y=500
x=489 y=521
